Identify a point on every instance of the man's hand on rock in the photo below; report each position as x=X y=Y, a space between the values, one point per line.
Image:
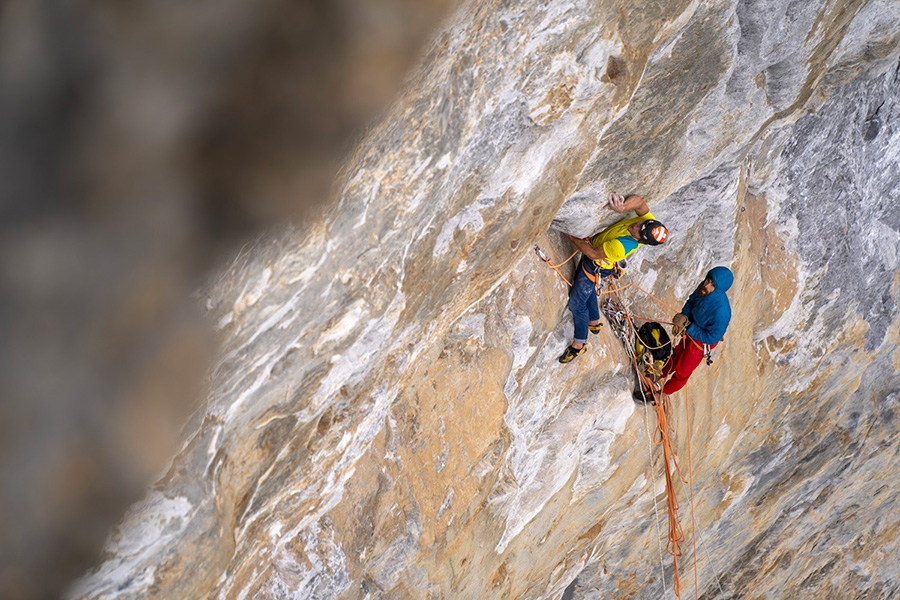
x=616 y=202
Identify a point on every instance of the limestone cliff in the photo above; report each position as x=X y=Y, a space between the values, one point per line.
x=387 y=418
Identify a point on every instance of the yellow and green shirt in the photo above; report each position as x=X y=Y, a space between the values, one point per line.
x=616 y=242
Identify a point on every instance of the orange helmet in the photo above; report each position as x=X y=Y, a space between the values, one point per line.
x=653 y=232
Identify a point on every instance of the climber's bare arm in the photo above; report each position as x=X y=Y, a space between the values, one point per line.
x=586 y=248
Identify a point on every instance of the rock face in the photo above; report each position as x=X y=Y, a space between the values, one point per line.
x=387 y=418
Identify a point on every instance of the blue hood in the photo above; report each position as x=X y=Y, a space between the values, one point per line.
x=710 y=315
x=722 y=278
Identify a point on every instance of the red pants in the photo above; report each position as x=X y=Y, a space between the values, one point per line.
x=685 y=358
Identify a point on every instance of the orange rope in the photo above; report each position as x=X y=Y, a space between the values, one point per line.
x=687 y=412
x=556 y=267
x=649 y=319
x=655 y=298
x=630 y=316
x=615 y=290
x=563 y=262
x=676 y=534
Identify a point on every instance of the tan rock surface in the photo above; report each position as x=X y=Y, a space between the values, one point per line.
x=388 y=419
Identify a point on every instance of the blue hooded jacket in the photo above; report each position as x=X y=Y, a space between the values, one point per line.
x=710 y=316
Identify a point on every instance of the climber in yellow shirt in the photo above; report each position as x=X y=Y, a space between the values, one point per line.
x=600 y=255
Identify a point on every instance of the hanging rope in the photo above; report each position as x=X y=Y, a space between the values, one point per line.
x=662 y=407
x=640 y=318
x=655 y=298
x=660 y=403
x=676 y=535
x=629 y=350
x=697 y=534
x=687 y=412
x=546 y=259
x=656 y=520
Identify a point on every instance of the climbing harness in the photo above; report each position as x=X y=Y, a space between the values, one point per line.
x=706 y=349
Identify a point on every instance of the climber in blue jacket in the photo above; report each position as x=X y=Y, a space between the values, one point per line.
x=703 y=319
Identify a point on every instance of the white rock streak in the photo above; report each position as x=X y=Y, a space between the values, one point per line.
x=469 y=217
x=544 y=454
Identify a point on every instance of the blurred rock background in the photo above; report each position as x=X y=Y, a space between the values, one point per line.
x=386 y=417
x=141 y=144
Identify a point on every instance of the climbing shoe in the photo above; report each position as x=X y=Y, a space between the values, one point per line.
x=570 y=354
x=595 y=328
